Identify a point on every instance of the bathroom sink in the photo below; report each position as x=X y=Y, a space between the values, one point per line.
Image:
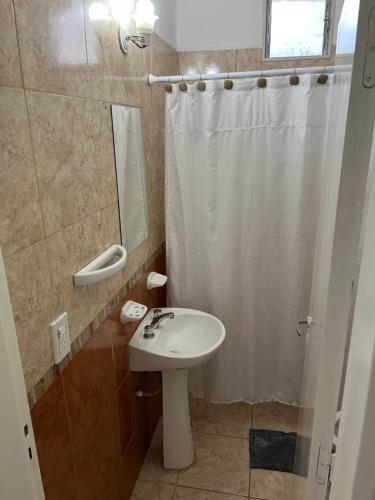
x=182 y=339
x=189 y=339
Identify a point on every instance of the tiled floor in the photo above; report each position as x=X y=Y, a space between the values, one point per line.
x=221 y=468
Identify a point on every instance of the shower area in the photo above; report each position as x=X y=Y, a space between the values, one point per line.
x=245 y=175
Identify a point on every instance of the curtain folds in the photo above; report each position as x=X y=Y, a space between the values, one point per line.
x=244 y=172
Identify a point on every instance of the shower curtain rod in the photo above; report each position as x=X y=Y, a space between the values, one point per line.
x=152 y=79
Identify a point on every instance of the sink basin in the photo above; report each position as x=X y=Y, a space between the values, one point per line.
x=187 y=340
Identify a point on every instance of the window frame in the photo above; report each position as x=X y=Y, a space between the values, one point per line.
x=327 y=36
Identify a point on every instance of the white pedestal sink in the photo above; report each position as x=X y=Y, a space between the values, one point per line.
x=190 y=338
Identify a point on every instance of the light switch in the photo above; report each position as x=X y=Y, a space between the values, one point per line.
x=60 y=338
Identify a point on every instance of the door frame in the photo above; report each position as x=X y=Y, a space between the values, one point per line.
x=20 y=477
x=353 y=474
x=344 y=263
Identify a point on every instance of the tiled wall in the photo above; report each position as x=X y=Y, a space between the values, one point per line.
x=244 y=60
x=91 y=431
x=59 y=72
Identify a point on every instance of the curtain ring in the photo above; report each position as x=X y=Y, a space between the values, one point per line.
x=228 y=84
x=168 y=86
x=323 y=77
x=182 y=85
x=262 y=82
x=294 y=79
x=201 y=85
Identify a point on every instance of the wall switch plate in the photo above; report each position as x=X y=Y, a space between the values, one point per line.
x=60 y=338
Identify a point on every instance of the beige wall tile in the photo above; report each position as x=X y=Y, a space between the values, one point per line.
x=116 y=282
x=220 y=61
x=68 y=251
x=112 y=230
x=251 y=60
x=156 y=222
x=164 y=58
x=75 y=169
x=307 y=63
x=115 y=76
x=67 y=194
x=10 y=70
x=31 y=295
x=164 y=62
x=52 y=45
x=21 y=218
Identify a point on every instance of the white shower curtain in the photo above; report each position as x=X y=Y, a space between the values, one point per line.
x=244 y=170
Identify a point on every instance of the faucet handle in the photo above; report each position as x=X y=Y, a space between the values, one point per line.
x=157 y=313
x=149 y=332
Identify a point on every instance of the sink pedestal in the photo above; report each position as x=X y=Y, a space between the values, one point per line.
x=177 y=437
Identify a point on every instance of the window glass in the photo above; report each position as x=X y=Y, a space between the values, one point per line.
x=347 y=28
x=296 y=28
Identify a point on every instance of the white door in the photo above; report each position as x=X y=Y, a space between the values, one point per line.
x=353 y=476
x=334 y=281
x=19 y=468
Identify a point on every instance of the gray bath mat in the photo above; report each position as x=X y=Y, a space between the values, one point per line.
x=272 y=450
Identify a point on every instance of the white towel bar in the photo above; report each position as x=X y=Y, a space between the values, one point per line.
x=94 y=271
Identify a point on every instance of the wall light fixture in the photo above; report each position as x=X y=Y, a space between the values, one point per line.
x=145 y=18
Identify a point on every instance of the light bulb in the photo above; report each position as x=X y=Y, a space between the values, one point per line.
x=121 y=10
x=98 y=12
x=145 y=17
x=145 y=8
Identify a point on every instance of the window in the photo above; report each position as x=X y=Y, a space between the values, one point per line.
x=347 y=29
x=297 y=28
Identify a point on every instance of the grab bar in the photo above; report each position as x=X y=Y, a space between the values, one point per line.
x=94 y=271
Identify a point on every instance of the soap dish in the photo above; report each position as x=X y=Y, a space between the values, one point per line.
x=132 y=311
x=156 y=280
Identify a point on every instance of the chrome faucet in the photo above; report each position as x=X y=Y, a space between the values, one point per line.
x=149 y=331
x=158 y=318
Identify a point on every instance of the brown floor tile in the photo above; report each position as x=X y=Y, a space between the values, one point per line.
x=275 y=417
x=194 y=494
x=90 y=388
x=148 y=490
x=53 y=443
x=221 y=465
x=224 y=419
x=271 y=485
x=152 y=469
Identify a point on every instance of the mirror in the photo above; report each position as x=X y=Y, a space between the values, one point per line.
x=131 y=175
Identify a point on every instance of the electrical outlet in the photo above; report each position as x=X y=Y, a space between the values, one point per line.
x=60 y=338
